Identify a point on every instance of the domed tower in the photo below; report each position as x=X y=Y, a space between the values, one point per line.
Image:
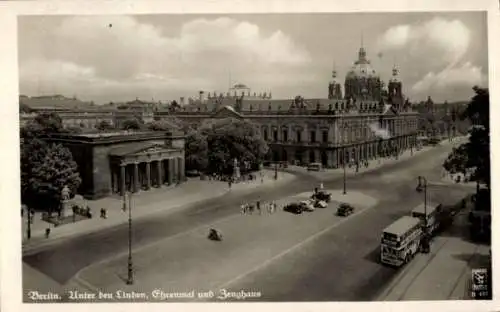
x=362 y=82
x=334 y=90
x=394 y=89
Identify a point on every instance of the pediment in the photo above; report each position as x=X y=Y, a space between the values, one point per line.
x=153 y=149
x=138 y=149
x=226 y=112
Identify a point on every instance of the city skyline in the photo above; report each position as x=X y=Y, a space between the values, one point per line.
x=442 y=55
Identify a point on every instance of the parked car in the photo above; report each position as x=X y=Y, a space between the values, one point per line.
x=344 y=210
x=322 y=195
x=320 y=204
x=314 y=167
x=307 y=205
x=295 y=208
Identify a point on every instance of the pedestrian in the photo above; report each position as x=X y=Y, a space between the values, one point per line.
x=258 y=207
x=268 y=208
x=47 y=232
x=229 y=183
x=243 y=208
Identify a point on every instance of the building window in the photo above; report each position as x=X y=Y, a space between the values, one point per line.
x=265 y=135
x=313 y=136
x=285 y=135
x=275 y=135
x=325 y=136
x=299 y=137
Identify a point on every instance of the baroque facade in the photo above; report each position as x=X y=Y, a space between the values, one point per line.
x=367 y=122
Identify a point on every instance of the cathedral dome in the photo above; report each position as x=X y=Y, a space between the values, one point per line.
x=362 y=68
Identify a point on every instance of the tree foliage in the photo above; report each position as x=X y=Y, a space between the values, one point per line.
x=159 y=125
x=131 y=124
x=214 y=146
x=45 y=170
x=196 y=148
x=104 y=125
x=474 y=156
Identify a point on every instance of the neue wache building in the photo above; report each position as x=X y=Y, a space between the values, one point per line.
x=371 y=119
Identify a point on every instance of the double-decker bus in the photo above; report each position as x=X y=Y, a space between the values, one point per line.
x=433 y=216
x=400 y=241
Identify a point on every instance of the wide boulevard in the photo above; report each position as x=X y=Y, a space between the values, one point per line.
x=323 y=262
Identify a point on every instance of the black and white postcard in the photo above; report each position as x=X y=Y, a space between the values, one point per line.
x=271 y=154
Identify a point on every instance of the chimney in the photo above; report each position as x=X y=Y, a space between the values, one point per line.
x=201 y=96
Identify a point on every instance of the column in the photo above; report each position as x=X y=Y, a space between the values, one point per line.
x=170 y=171
x=159 y=177
x=148 y=175
x=113 y=180
x=175 y=170
x=182 y=169
x=136 y=177
x=122 y=179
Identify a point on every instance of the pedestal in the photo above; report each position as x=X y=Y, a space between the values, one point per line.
x=66 y=208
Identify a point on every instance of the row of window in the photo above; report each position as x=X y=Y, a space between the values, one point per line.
x=355 y=134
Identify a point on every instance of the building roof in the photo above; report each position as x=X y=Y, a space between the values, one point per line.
x=421 y=208
x=402 y=225
x=54 y=102
x=132 y=148
x=362 y=68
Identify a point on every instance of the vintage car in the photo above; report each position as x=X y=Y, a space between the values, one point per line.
x=295 y=208
x=307 y=205
x=344 y=210
x=320 y=204
x=322 y=195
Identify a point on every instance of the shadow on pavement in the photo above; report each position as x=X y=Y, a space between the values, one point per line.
x=373 y=256
x=474 y=260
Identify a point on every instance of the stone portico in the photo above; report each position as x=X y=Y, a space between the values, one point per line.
x=143 y=166
x=113 y=163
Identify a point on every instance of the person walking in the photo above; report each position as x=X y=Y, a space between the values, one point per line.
x=258 y=207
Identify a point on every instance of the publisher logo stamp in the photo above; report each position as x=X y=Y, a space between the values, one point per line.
x=480 y=283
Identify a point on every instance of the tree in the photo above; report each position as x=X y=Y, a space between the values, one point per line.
x=104 y=125
x=196 y=150
x=49 y=122
x=45 y=170
x=231 y=139
x=159 y=125
x=214 y=146
x=474 y=156
x=131 y=124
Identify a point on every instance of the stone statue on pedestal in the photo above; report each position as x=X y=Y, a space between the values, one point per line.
x=66 y=209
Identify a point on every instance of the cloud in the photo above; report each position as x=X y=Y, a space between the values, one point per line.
x=438 y=51
x=455 y=80
x=108 y=51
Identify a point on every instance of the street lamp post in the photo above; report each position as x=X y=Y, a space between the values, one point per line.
x=422 y=187
x=130 y=275
x=343 y=163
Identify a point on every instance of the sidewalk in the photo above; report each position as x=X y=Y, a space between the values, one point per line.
x=443 y=274
x=375 y=163
x=144 y=204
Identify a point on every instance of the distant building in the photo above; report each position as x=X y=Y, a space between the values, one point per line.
x=368 y=121
x=113 y=163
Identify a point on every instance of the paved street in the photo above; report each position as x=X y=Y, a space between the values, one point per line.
x=313 y=256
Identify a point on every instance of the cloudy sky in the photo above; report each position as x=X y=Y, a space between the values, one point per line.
x=164 y=57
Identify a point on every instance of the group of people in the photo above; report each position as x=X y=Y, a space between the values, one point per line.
x=249 y=208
